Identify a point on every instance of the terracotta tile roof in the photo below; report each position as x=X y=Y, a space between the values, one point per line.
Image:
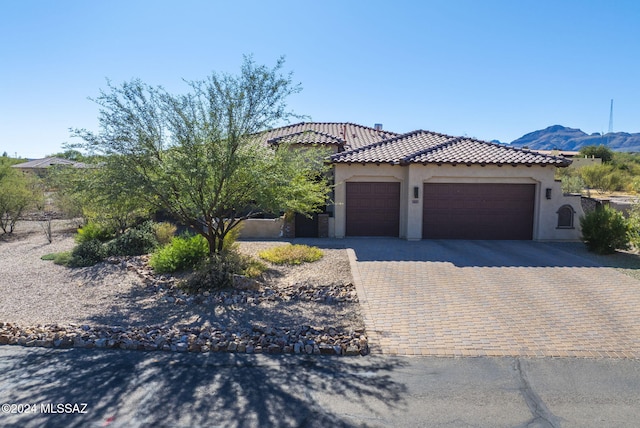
x=430 y=147
x=349 y=135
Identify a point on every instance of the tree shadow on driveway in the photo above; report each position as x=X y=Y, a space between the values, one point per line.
x=468 y=253
x=131 y=388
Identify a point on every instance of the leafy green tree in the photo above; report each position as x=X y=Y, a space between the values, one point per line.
x=71 y=154
x=97 y=195
x=197 y=156
x=601 y=151
x=19 y=192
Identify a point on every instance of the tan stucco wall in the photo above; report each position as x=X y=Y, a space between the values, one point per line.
x=261 y=228
x=577 y=162
x=545 y=217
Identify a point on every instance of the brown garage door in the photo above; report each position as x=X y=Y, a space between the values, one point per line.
x=478 y=211
x=373 y=209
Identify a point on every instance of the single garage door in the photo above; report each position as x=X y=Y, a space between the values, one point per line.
x=373 y=209
x=478 y=211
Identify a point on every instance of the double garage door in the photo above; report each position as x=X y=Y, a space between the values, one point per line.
x=450 y=210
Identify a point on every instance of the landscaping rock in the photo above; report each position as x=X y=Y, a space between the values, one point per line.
x=326 y=340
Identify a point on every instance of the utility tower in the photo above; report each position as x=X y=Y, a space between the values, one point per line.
x=611 y=118
x=610 y=131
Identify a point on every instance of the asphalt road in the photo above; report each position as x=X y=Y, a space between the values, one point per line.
x=138 y=389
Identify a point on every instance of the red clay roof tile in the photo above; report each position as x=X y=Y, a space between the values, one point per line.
x=430 y=147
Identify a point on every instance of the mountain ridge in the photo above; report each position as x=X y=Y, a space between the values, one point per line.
x=558 y=137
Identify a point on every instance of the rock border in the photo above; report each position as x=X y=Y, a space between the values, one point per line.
x=301 y=340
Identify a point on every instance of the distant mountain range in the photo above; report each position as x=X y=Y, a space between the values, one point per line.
x=559 y=137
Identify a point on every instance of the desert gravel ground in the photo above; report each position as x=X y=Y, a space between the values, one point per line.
x=34 y=291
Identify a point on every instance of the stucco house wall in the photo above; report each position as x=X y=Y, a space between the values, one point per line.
x=415 y=175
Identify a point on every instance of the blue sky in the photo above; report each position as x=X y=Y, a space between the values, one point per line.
x=486 y=69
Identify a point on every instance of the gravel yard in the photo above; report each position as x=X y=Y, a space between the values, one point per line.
x=37 y=292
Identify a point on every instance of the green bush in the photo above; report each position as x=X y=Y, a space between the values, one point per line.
x=94 y=231
x=184 y=252
x=291 y=254
x=633 y=222
x=134 y=242
x=229 y=241
x=88 y=253
x=217 y=273
x=164 y=232
x=605 y=230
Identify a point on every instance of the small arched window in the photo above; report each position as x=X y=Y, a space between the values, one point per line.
x=565 y=217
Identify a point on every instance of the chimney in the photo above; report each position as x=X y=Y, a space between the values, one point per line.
x=377 y=127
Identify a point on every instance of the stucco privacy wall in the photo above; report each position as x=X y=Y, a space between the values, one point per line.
x=415 y=175
x=261 y=228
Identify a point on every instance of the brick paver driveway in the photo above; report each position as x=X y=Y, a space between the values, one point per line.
x=500 y=298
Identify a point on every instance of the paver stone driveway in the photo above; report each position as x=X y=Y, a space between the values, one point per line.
x=493 y=298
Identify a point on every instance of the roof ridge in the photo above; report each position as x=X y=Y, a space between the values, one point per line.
x=346 y=123
x=449 y=141
x=376 y=144
x=281 y=137
x=517 y=149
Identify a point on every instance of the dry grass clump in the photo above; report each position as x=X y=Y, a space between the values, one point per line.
x=291 y=254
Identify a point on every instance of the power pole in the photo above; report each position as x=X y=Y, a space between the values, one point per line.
x=611 y=118
x=610 y=122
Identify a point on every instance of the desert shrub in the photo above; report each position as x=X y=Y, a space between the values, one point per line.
x=94 y=231
x=605 y=230
x=633 y=222
x=603 y=178
x=218 y=271
x=134 y=241
x=184 y=252
x=231 y=237
x=253 y=268
x=164 y=232
x=291 y=254
x=88 y=253
x=572 y=184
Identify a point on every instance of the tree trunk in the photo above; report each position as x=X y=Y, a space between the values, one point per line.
x=211 y=240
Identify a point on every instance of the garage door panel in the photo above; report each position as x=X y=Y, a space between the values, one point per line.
x=373 y=209
x=478 y=211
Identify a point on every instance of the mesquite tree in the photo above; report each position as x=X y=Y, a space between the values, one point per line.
x=197 y=155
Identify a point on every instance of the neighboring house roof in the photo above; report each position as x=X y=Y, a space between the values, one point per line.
x=430 y=147
x=564 y=153
x=348 y=135
x=47 y=162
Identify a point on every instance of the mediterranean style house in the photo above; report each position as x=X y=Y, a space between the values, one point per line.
x=426 y=185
